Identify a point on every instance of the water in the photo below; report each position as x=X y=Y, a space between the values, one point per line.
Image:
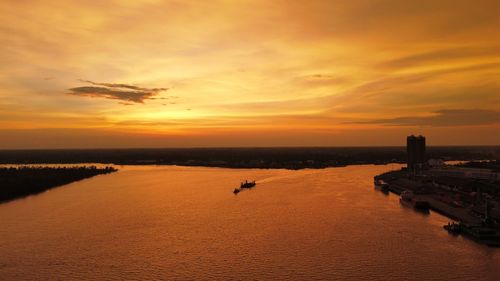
x=180 y=223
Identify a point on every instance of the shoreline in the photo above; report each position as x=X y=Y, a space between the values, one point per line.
x=20 y=182
x=453 y=195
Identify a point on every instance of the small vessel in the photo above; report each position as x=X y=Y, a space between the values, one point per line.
x=381 y=185
x=453 y=227
x=247 y=184
x=406 y=196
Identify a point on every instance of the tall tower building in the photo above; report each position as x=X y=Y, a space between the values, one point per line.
x=415 y=148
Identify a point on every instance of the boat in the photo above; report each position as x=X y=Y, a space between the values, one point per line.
x=453 y=227
x=247 y=184
x=408 y=199
x=381 y=185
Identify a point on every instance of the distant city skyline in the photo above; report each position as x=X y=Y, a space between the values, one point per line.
x=103 y=74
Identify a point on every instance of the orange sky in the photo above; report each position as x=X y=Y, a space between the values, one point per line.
x=248 y=73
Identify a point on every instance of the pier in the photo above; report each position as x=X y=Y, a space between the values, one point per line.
x=468 y=194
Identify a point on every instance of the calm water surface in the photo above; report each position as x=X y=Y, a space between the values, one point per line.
x=180 y=223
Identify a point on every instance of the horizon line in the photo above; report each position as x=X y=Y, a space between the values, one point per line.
x=242 y=147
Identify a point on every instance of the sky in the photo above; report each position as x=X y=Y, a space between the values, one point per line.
x=130 y=73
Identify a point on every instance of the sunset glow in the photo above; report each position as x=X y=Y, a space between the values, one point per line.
x=248 y=73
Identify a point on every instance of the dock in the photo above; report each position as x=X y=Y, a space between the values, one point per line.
x=455 y=213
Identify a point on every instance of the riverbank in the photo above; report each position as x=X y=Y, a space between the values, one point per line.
x=463 y=195
x=17 y=182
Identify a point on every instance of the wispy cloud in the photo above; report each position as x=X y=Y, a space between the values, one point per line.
x=321 y=80
x=443 y=56
x=444 y=118
x=124 y=92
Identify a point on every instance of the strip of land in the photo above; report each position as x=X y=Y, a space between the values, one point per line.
x=468 y=193
x=17 y=182
x=262 y=157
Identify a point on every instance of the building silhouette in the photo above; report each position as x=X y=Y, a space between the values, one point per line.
x=415 y=148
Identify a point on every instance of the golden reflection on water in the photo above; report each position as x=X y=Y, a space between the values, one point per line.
x=168 y=222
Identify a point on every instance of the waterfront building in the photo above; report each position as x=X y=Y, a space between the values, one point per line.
x=415 y=148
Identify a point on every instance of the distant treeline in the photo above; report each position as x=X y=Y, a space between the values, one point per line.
x=290 y=158
x=16 y=182
x=492 y=165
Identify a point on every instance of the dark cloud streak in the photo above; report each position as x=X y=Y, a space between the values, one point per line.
x=444 y=118
x=127 y=93
x=441 y=56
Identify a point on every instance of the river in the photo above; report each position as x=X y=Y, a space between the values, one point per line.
x=184 y=223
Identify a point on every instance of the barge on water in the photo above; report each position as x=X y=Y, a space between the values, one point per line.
x=408 y=199
x=246 y=184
